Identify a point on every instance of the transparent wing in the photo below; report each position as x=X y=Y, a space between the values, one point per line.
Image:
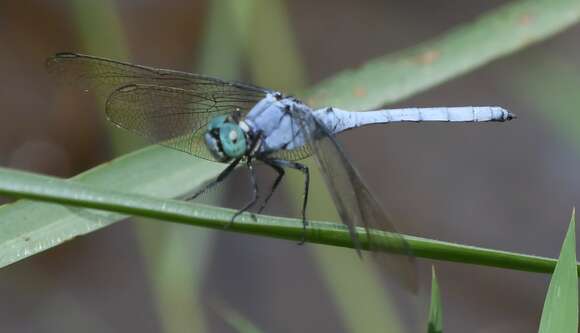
x=356 y=205
x=168 y=107
x=105 y=75
x=173 y=117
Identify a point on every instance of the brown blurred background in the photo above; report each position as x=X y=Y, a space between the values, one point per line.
x=503 y=186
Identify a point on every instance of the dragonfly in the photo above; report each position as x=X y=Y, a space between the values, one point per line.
x=242 y=124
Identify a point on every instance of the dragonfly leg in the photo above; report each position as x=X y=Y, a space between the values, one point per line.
x=304 y=169
x=281 y=173
x=255 y=195
x=217 y=180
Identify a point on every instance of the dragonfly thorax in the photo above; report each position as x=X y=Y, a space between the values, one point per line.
x=225 y=139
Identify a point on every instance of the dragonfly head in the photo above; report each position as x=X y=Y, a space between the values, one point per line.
x=225 y=139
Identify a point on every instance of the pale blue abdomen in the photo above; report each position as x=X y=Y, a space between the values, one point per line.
x=285 y=123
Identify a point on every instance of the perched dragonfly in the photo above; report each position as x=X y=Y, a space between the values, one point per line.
x=232 y=122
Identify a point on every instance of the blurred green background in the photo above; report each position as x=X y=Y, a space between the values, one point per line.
x=509 y=186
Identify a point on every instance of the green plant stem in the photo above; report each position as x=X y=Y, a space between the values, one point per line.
x=381 y=81
x=37 y=187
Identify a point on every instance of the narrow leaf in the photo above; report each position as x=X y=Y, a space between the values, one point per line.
x=435 y=309
x=69 y=193
x=560 y=312
x=498 y=33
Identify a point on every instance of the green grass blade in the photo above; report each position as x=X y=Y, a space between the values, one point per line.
x=560 y=312
x=65 y=192
x=169 y=176
x=500 y=32
x=435 y=308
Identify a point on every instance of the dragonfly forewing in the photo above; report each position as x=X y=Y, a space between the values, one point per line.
x=167 y=107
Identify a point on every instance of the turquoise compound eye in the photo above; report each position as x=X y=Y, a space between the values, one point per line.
x=216 y=122
x=233 y=140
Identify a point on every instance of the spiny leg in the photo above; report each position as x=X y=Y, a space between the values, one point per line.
x=255 y=195
x=304 y=169
x=217 y=180
x=298 y=166
x=281 y=173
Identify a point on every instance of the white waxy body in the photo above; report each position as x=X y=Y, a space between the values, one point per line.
x=275 y=119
